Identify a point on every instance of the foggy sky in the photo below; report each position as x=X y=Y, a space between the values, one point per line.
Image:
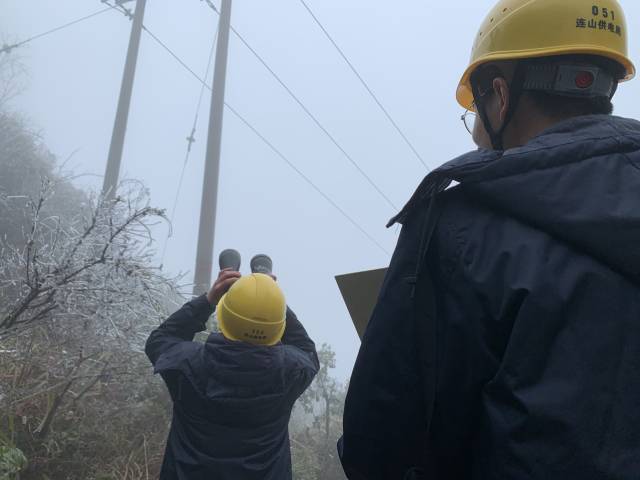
x=411 y=53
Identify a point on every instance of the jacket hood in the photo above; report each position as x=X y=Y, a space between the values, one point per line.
x=578 y=181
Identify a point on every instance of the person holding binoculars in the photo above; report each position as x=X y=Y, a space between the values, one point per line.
x=233 y=395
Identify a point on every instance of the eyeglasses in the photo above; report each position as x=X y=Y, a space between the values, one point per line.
x=469 y=119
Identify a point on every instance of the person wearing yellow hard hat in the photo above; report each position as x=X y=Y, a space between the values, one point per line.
x=253 y=311
x=233 y=395
x=505 y=343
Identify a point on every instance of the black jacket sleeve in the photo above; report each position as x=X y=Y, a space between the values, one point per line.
x=296 y=336
x=181 y=326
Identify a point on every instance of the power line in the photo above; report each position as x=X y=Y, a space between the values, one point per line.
x=174 y=55
x=315 y=120
x=306 y=179
x=275 y=150
x=308 y=112
x=365 y=85
x=190 y=140
x=7 y=48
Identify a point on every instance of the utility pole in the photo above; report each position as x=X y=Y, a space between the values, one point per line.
x=122 y=114
x=208 y=207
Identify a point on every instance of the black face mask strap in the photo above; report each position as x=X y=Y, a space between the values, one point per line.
x=614 y=89
x=479 y=98
x=479 y=101
x=515 y=92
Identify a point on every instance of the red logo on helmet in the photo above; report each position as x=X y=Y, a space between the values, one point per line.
x=584 y=79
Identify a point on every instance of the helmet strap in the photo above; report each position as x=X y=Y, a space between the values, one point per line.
x=515 y=92
x=614 y=90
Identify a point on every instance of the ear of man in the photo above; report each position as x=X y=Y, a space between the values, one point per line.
x=502 y=92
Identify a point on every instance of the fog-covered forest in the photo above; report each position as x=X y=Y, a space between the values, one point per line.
x=80 y=290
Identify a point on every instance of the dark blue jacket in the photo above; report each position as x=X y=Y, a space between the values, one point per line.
x=506 y=339
x=231 y=400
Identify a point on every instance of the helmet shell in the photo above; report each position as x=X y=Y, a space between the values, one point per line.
x=519 y=29
x=253 y=311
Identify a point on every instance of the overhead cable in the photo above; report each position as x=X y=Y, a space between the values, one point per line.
x=190 y=140
x=275 y=150
x=174 y=55
x=306 y=179
x=309 y=114
x=8 y=48
x=365 y=85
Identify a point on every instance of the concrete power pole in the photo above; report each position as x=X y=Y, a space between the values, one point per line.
x=122 y=114
x=206 y=232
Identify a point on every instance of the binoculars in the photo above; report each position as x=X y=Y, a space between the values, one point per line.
x=260 y=263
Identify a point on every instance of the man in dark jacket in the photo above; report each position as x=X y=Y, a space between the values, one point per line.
x=506 y=339
x=232 y=399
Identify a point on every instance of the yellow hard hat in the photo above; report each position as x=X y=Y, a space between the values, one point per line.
x=253 y=310
x=519 y=29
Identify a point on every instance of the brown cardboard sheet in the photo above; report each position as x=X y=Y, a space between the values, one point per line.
x=360 y=293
